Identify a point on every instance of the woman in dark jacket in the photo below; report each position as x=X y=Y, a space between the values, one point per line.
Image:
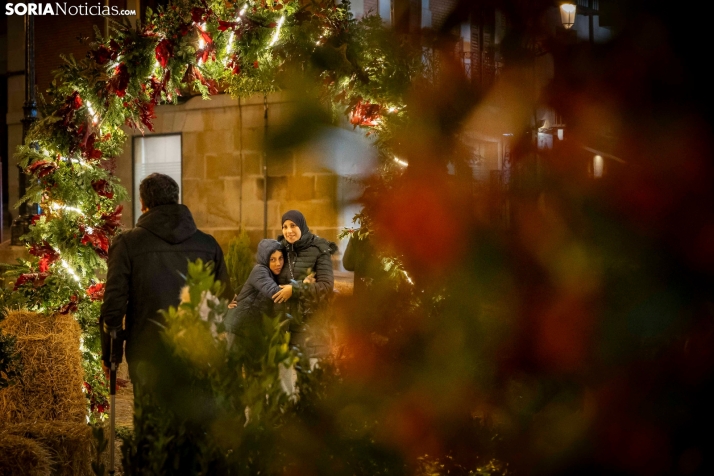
x=306 y=254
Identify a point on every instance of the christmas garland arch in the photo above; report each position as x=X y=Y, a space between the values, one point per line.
x=189 y=47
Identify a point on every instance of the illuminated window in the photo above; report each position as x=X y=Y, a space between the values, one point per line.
x=157 y=153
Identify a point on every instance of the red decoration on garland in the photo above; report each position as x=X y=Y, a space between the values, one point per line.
x=42 y=168
x=234 y=64
x=164 y=51
x=98 y=240
x=112 y=221
x=103 y=189
x=88 y=149
x=209 y=50
x=47 y=255
x=197 y=14
x=71 y=104
x=36 y=279
x=120 y=81
x=227 y=25
x=71 y=306
x=146 y=114
x=193 y=74
x=103 y=54
x=365 y=114
x=96 y=292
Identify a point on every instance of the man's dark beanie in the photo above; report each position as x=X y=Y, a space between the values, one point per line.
x=297 y=218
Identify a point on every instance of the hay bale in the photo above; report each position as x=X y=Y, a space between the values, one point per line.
x=23 y=457
x=71 y=445
x=50 y=386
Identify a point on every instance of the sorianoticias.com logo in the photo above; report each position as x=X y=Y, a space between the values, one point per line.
x=61 y=8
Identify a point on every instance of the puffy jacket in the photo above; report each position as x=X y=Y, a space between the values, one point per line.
x=309 y=254
x=146 y=271
x=255 y=297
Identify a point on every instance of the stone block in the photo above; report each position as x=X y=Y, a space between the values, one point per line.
x=277 y=188
x=193 y=166
x=206 y=200
x=194 y=122
x=222 y=165
x=215 y=142
x=326 y=187
x=301 y=187
x=189 y=143
x=179 y=122
x=252 y=163
x=280 y=163
x=253 y=115
x=222 y=119
x=253 y=214
x=224 y=237
x=249 y=138
x=255 y=236
x=318 y=213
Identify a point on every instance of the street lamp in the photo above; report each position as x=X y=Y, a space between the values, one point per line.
x=567 y=15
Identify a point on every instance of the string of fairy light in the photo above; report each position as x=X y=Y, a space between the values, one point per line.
x=94 y=114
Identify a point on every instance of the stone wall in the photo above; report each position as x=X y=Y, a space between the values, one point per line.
x=223 y=177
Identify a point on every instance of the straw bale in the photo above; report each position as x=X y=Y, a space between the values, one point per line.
x=23 y=457
x=50 y=385
x=71 y=445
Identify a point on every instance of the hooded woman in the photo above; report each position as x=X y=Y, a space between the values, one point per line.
x=306 y=254
x=255 y=297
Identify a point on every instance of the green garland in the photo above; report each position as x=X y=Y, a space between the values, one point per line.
x=189 y=47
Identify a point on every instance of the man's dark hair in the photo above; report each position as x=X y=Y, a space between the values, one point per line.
x=158 y=189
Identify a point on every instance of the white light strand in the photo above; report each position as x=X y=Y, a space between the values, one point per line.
x=71 y=272
x=78 y=162
x=95 y=116
x=57 y=206
x=277 y=31
x=409 y=280
x=401 y=162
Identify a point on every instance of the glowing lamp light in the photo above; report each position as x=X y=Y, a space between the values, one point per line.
x=401 y=162
x=598 y=166
x=567 y=15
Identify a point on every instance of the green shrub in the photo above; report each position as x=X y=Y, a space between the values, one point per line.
x=239 y=260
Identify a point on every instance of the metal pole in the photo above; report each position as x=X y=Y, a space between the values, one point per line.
x=591 y=33
x=240 y=135
x=112 y=399
x=21 y=224
x=265 y=167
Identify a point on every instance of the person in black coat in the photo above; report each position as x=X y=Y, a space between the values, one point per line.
x=306 y=254
x=146 y=271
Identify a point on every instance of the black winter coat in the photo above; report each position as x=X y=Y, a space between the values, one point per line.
x=147 y=269
x=255 y=297
x=309 y=254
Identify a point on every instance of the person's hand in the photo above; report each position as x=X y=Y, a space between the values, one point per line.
x=310 y=279
x=233 y=303
x=284 y=294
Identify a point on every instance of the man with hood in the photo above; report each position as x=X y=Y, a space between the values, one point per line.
x=146 y=271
